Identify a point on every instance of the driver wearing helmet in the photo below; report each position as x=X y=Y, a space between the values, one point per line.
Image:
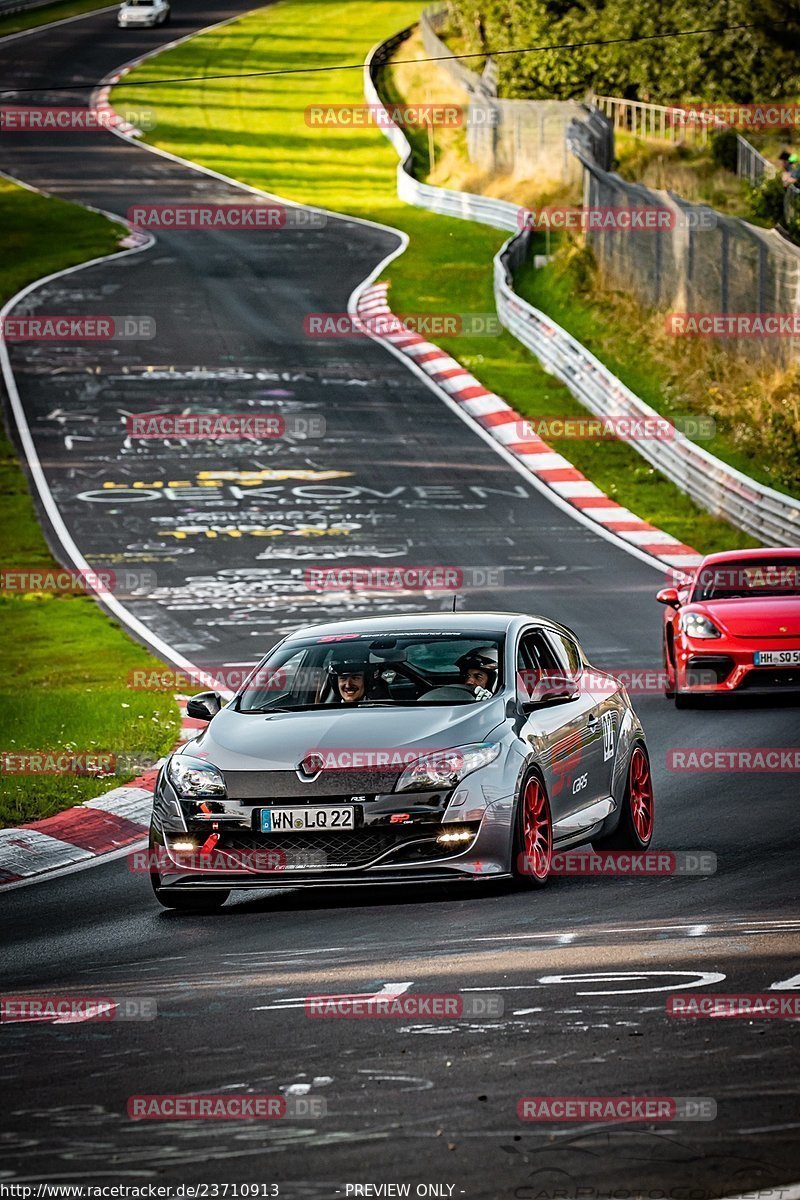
x=353 y=677
x=479 y=670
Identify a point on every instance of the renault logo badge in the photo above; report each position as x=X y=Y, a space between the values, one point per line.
x=310 y=768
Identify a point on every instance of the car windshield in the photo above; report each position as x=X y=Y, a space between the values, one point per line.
x=748 y=577
x=371 y=670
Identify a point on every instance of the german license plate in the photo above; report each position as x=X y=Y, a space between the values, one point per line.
x=777 y=658
x=302 y=820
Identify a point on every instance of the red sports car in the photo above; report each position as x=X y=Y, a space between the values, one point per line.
x=735 y=626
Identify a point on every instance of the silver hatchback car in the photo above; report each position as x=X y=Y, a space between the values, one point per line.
x=435 y=747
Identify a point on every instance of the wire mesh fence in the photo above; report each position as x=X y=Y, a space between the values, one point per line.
x=506 y=136
x=696 y=261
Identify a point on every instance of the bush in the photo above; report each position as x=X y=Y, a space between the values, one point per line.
x=766 y=199
x=724 y=149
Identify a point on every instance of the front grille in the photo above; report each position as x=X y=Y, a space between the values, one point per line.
x=253 y=787
x=771 y=677
x=350 y=848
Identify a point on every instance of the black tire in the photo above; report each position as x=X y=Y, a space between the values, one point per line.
x=633 y=832
x=532 y=848
x=682 y=700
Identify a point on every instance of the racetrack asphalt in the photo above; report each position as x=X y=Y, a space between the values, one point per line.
x=418 y=1102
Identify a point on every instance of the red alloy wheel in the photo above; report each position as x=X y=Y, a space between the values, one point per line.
x=537 y=832
x=640 y=784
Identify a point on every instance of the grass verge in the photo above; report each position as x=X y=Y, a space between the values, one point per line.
x=17 y=22
x=65 y=662
x=255 y=130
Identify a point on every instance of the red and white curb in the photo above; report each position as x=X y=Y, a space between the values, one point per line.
x=507 y=428
x=108 y=115
x=107 y=823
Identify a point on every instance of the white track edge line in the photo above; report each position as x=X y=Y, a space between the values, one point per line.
x=32 y=457
x=519 y=467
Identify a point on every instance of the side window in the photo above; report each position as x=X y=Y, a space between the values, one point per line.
x=569 y=652
x=536 y=662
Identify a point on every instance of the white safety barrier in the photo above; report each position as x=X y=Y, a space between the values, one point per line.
x=762 y=511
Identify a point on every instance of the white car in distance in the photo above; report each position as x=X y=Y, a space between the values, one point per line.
x=135 y=13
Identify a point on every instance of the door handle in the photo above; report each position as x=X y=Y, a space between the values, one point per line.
x=592 y=723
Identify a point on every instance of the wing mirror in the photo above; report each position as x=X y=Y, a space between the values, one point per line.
x=669 y=596
x=204 y=706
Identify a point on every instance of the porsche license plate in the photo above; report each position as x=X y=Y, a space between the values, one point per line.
x=302 y=820
x=777 y=658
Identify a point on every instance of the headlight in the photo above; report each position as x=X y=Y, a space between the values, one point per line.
x=697 y=626
x=445 y=768
x=193 y=779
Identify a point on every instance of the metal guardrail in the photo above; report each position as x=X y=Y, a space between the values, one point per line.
x=500 y=214
x=750 y=163
x=670 y=123
x=643 y=119
x=718 y=488
x=711 y=483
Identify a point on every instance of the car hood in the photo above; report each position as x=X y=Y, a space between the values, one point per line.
x=762 y=617
x=236 y=741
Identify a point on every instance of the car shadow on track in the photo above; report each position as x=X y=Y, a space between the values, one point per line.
x=360 y=896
